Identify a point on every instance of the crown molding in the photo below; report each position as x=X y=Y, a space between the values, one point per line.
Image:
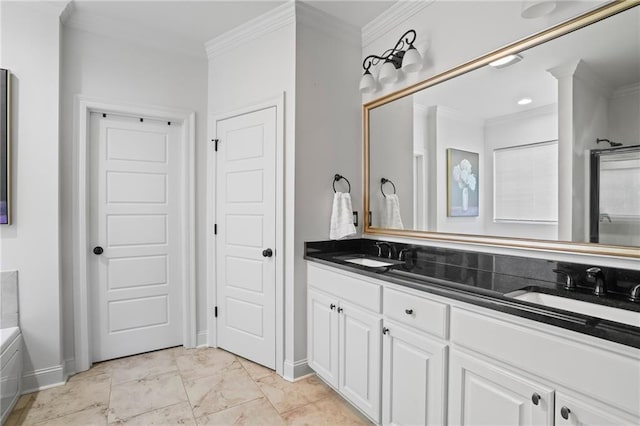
x=53 y=7
x=391 y=19
x=628 y=90
x=523 y=115
x=326 y=23
x=251 y=30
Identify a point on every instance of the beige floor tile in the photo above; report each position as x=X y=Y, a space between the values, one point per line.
x=204 y=362
x=71 y=398
x=256 y=412
x=138 y=367
x=95 y=416
x=179 y=414
x=141 y=396
x=329 y=411
x=286 y=396
x=256 y=371
x=230 y=387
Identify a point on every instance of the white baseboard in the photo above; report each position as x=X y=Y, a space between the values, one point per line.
x=43 y=378
x=201 y=339
x=69 y=367
x=296 y=370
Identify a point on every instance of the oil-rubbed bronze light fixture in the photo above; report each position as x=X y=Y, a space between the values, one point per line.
x=404 y=55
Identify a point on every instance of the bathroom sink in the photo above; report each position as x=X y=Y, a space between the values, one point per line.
x=370 y=262
x=578 y=306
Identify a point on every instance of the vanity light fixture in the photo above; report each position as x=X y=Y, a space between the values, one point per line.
x=525 y=101
x=505 y=61
x=404 y=55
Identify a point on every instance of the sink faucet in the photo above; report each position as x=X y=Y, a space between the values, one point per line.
x=635 y=294
x=596 y=274
x=401 y=254
x=570 y=283
x=379 y=244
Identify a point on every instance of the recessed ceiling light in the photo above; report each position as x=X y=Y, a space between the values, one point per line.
x=525 y=101
x=505 y=61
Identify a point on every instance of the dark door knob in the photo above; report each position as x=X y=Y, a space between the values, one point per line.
x=564 y=412
x=98 y=250
x=332 y=306
x=267 y=252
x=535 y=398
x=408 y=311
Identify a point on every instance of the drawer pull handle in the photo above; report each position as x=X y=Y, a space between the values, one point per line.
x=535 y=398
x=564 y=412
x=340 y=310
x=385 y=330
x=332 y=306
x=408 y=311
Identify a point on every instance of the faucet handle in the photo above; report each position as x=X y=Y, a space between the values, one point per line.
x=594 y=271
x=570 y=283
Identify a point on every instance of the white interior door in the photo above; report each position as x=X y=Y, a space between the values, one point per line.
x=135 y=227
x=246 y=236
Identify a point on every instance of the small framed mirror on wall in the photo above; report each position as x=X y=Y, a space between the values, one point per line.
x=496 y=151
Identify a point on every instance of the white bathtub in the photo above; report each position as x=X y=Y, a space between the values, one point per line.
x=10 y=369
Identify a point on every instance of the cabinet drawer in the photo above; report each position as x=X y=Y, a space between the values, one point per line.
x=357 y=291
x=416 y=311
x=559 y=356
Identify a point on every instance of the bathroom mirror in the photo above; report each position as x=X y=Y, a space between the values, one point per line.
x=499 y=155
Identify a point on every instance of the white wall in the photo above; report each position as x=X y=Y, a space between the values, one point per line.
x=119 y=72
x=624 y=116
x=391 y=156
x=327 y=135
x=533 y=126
x=30 y=45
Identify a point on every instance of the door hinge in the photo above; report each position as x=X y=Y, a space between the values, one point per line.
x=215 y=312
x=215 y=229
x=216 y=141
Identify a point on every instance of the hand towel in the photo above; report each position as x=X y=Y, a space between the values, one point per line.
x=391 y=214
x=341 y=217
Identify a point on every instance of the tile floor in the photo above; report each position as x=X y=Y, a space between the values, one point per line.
x=186 y=387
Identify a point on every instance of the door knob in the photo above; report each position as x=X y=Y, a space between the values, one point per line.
x=98 y=250
x=408 y=311
x=564 y=412
x=535 y=398
x=267 y=252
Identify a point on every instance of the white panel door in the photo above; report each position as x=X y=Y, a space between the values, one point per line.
x=135 y=219
x=413 y=378
x=322 y=335
x=482 y=394
x=245 y=243
x=577 y=411
x=360 y=358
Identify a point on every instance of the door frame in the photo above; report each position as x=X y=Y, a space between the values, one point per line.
x=212 y=338
x=83 y=107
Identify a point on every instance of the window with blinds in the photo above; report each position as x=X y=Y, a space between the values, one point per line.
x=526 y=183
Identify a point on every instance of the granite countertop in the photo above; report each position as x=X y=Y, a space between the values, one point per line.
x=484 y=279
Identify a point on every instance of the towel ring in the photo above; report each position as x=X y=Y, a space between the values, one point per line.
x=338 y=177
x=382 y=182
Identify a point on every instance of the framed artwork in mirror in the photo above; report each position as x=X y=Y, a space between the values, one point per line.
x=5 y=152
x=462 y=183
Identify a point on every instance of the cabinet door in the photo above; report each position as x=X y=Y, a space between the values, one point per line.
x=322 y=335
x=482 y=394
x=583 y=413
x=413 y=378
x=360 y=354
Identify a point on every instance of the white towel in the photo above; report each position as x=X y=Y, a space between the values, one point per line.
x=341 y=217
x=391 y=216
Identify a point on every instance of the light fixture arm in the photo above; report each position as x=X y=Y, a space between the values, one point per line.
x=394 y=55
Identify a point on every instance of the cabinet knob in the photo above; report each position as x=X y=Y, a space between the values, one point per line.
x=385 y=330
x=564 y=412
x=267 y=252
x=332 y=306
x=535 y=398
x=340 y=310
x=408 y=311
x=98 y=250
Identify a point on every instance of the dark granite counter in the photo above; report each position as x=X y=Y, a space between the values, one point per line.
x=484 y=279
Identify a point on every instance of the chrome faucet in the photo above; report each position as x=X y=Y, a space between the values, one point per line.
x=635 y=294
x=379 y=244
x=570 y=283
x=401 y=254
x=596 y=274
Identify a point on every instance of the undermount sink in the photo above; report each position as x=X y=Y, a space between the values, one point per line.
x=578 y=306
x=369 y=261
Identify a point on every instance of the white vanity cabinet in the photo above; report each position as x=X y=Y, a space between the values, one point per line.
x=344 y=336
